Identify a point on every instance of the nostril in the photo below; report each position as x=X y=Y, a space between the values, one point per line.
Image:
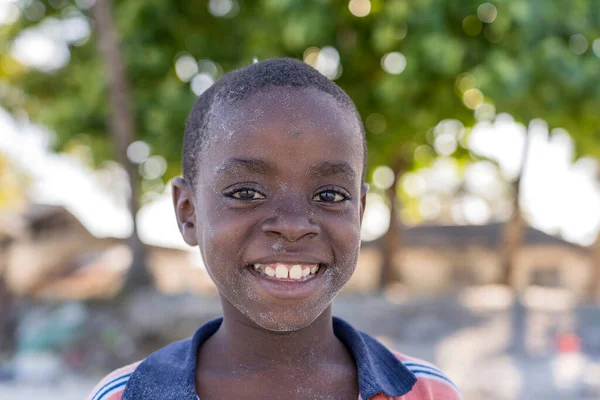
x=291 y=229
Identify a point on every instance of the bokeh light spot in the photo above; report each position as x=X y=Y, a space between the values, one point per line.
x=9 y=13
x=201 y=82
x=359 y=8
x=487 y=13
x=376 y=123
x=186 y=67
x=465 y=82
x=475 y=210
x=383 y=177
x=40 y=51
x=209 y=67
x=76 y=29
x=485 y=112
x=483 y=178
x=493 y=33
x=328 y=62
x=578 y=43
x=402 y=31
x=393 y=63
x=414 y=184
x=153 y=168
x=596 y=47
x=445 y=144
x=310 y=56
x=473 y=98
x=138 y=152
x=35 y=11
x=376 y=220
x=472 y=25
x=424 y=154
x=223 y=8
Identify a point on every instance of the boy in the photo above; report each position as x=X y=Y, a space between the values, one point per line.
x=273 y=193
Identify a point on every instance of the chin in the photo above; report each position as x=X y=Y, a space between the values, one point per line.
x=290 y=321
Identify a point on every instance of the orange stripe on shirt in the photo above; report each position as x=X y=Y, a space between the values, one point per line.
x=432 y=383
x=112 y=386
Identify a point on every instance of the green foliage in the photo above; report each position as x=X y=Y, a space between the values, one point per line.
x=13 y=185
x=517 y=53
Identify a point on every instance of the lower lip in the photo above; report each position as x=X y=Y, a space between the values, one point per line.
x=288 y=290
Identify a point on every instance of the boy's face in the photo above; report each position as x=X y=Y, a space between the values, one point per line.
x=279 y=190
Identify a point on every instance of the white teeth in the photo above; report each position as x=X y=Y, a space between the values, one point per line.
x=296 y=272
x=281 y=271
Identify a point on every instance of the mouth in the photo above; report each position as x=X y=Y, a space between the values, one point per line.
x=287 y=272
x=288 y=280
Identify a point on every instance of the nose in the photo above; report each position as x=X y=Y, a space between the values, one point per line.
x=291 y=225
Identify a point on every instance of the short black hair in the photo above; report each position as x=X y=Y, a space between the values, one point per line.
x=240 y=84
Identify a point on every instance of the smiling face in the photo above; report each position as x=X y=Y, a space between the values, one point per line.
x=277 y=205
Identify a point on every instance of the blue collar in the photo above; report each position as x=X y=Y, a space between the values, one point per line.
x=169 y=373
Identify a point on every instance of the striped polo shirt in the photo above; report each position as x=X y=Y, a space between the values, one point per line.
x=169 y=373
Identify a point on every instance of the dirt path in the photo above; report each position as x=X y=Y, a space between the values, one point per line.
x=475 y=346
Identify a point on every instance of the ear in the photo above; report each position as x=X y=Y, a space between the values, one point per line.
x=185 y=211
x=363 y=199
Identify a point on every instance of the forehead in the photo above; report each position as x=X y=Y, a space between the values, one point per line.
x=284 y=121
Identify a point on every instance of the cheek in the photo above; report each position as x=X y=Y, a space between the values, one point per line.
x=220 y=237
x=221 y=245
x=345 y=233
x=346 y=238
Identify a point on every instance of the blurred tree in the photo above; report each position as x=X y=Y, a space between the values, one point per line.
x=407 y=65
x=13 y=185
x=122 y=127
x=513 y=229
x=589 y=145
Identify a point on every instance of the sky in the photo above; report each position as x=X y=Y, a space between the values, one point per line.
x=560 y=195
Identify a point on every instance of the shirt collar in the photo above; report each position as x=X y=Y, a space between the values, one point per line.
x=170 y=372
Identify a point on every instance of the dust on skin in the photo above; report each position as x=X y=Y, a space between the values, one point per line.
x=294 y=121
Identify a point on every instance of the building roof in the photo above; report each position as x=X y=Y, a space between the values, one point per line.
x=11 y=225
x=489 y=235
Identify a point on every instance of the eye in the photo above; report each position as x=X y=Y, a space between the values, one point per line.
x=246 y=194
x=330 y=196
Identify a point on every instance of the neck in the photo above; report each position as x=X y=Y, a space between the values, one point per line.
x=241 y=342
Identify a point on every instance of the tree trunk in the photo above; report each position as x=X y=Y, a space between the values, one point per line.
x=513 y=230
x=8 y=322
x=512 y=241
x=594 y=294
x=122 y=127
x=595 y=281
x=392 y=240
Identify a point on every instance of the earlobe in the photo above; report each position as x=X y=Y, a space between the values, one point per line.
x=184 y=210
x=363 y=199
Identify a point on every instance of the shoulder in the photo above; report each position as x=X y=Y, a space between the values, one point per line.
x=432 y=383
x=112 y=386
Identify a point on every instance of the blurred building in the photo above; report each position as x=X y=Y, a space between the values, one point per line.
x=51 y=254
x=436 y=258
x=55 y=256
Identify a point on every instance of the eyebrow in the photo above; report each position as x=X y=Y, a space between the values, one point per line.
x=234 y=165
x=328 y=168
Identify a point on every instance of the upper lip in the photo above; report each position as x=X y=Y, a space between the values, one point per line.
x=288 y=259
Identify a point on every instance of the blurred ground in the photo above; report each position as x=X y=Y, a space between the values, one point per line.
x=484 y=345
